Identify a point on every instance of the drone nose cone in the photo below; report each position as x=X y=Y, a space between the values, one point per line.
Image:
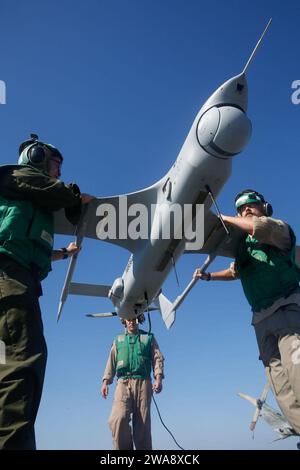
x=233 y=92
x=224 y=128
x=236 y=91
x=224 y=131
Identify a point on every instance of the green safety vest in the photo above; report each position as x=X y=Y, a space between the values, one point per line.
x=266 y=273
x=134 y=355
x=26 y=235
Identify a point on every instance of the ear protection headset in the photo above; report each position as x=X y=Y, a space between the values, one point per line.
x=36 y=153
x=251 y=196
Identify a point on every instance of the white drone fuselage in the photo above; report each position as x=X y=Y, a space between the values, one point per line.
x=220 y=131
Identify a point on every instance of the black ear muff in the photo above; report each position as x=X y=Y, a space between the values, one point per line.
x=268 y=209
x=36 y=154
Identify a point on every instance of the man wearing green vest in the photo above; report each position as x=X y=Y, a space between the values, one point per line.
x=265 y=264
x=132 y=356
x=30 y=192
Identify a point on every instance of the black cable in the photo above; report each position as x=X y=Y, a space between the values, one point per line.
x=157 y=409
x=156 y=406
x=161 y=420
x=149 y=321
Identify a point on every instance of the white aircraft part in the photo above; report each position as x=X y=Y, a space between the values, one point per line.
x=220 y=130
x=164 y=306
x=234 y=92
x=117 y=288
x=102 y=315
x=80 y=232
x=146 y=197
x=252 y=400
x=214 y=233
x=224 y=131
x=275 y=419
x=185 y=183
x=94 y=290
x=176 y=304
x=260 y=402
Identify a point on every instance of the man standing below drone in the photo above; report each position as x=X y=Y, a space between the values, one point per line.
x=131 y=358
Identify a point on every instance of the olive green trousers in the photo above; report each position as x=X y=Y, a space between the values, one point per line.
x=23 y=356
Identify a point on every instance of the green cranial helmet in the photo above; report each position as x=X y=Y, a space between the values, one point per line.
x=247 y=198
x=36 y=153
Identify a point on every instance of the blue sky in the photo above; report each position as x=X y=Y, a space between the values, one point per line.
x=115 y=85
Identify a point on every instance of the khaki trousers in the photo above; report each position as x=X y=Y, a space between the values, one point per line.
x=132 y=402
x=279 y=343
x=284 y=377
